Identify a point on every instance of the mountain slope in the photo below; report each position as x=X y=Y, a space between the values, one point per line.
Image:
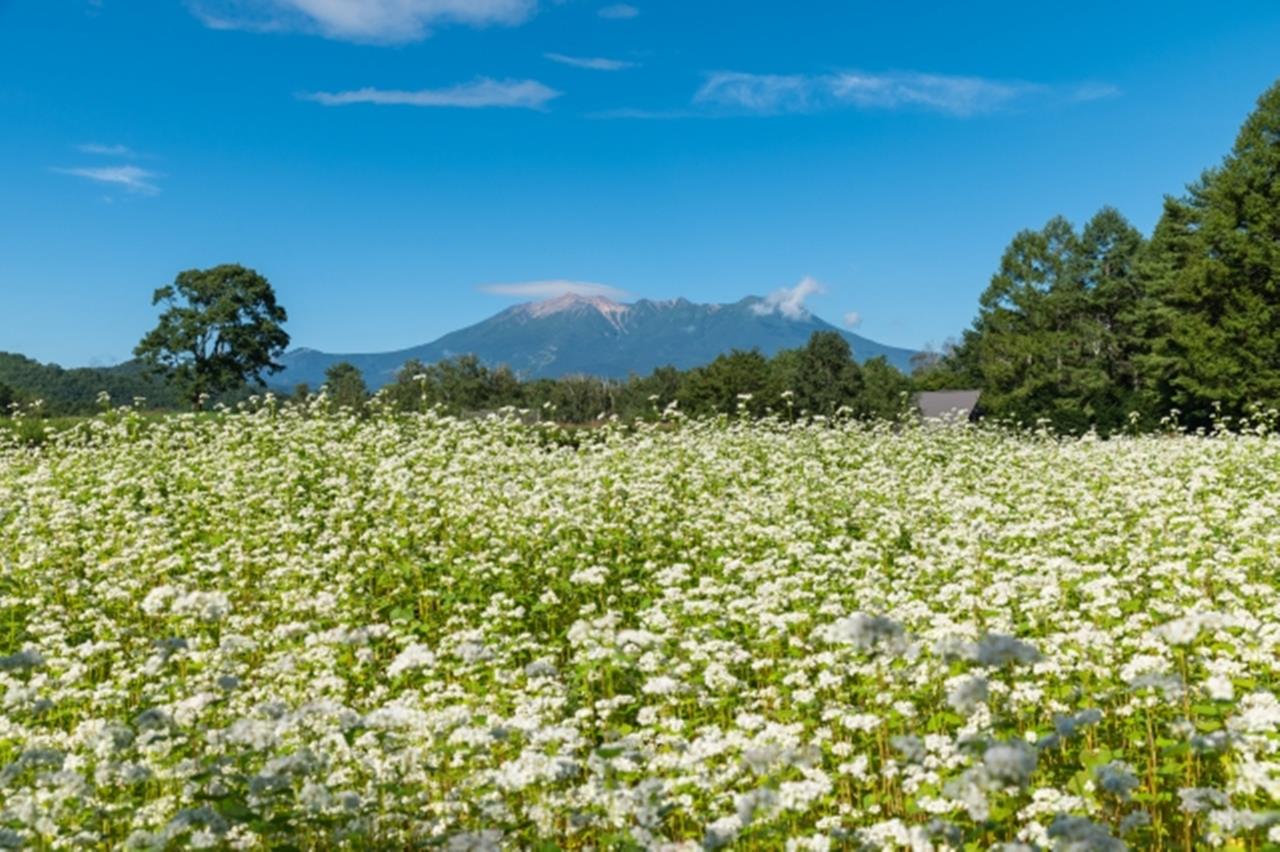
x=580 y=334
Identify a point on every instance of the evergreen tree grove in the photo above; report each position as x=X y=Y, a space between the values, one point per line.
x=1086 y=329
x=1217 y=279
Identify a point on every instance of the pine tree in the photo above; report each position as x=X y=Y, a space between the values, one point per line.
x=1018 y=342
x=1106 y=333
x=1218 y=280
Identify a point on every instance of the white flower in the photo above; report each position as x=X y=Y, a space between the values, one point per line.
x=206 y=606
x=996 y=650
x=415 y=656
x=660 y=685
x=967 y=694
x=1116 y=778
x=1181 y=631
x=718 y=678
x=869 y=632
x=1010 y=763
x=1220 y=688
x=595 y=575
x=157 y=600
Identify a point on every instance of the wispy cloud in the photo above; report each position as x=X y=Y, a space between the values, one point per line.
x=478 y=94
x=106 y=150
x=789 y=301
x=771 y=94
x=130 y=178
x=630 y=112
x=1086 y=92
x=618 y=11
x=593 y=64
x=852 y=319
x=763 y=93
x=384 y=21
x=552 y=288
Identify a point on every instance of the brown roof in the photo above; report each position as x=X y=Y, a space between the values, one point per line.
x=947 y=405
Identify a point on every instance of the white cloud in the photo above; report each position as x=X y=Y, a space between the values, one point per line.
x=629 y=112
x=852 y=319
x=940 y=92
x=552 y=288
x=483 y=92
x=767 y=93
x=593 y=64
x=386 y=21
x=106 y=150
x=1094 y=92
x=774 y=93
x=789 y=301
x=619 y=11
x=131 y=178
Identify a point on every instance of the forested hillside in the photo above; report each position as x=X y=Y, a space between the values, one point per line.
x=77 y=390
x=73 y=391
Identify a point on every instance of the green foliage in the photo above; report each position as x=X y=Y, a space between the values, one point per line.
x=820 y=378
x=220 y=330
x=885 y=391
x=1100 y=328
x=344 y=384
x=1056 y=333
x=460 y=385
x=39 y=431
x=1216 y=270
x=76 y=391
x=736 y=379
x=826 y=376
x=7 y=399
x=580 y=399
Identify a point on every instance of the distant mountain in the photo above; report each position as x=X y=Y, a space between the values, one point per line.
x=575 y=334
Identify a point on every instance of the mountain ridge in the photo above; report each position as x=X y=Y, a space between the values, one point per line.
x=575 y=334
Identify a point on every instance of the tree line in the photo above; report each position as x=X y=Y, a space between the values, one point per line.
x=60 y=391
x=1100 y=327
x=819 y=378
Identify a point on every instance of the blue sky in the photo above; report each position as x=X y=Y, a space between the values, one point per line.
x=389 y=164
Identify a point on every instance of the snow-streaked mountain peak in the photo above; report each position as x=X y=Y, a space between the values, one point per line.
x=612 y=311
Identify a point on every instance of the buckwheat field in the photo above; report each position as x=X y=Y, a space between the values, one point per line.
x=277 y=629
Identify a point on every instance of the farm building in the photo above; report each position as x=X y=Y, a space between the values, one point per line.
x=950 y=405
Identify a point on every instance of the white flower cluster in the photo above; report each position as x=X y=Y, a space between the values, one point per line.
x=278 y=628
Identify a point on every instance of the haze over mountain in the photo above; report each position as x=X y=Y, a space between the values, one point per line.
x=587 y=334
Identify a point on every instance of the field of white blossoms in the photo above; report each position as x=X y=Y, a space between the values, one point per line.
x=286 y=630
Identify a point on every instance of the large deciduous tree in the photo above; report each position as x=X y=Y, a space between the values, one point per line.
x=221 y=328
x=734 y=380
x=1059 y=328
x=885 y=391
x=826 y=377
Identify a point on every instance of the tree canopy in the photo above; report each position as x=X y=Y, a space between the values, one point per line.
x=221 y=329
x=345 y=386
x=737 y=382
x=1093 y=328
x=1215 y=275
x=7 y=398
